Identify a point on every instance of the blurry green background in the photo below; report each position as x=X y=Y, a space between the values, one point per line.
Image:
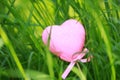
x=23 y=56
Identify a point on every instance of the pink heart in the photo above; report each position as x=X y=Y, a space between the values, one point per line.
x=65 y=39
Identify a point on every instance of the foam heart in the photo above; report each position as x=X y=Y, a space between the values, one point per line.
x=65 y=39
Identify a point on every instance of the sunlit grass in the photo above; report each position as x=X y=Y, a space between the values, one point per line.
x=13 y=53
x=22 y=50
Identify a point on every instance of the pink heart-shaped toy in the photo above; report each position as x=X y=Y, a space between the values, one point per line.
x=65 y=39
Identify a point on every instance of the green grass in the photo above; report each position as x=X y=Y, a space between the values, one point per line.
x=23 y=56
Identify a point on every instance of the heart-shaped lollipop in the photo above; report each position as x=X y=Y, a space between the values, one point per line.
x=66 y=41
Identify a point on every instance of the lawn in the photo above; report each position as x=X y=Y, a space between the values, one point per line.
x=24 y=56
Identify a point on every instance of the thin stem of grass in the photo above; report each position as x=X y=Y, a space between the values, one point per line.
x=82 y=75
x=13 y=53
x=108 y=47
